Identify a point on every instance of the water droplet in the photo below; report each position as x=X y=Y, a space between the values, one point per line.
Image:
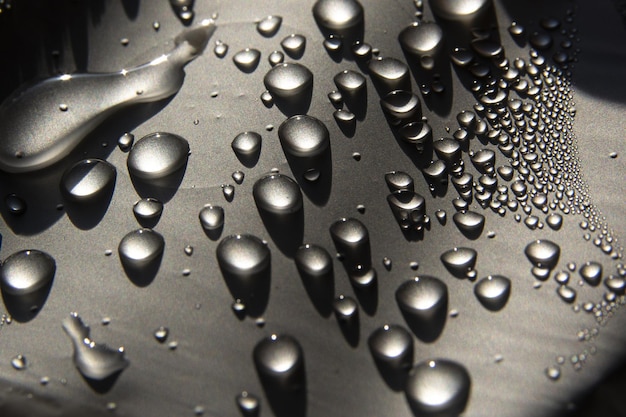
x=487 y=48
x=615 y=284
x=417 y=133
x=294 y=45
x=313 y=261
x=459 y=10
x=140 y=249
x=94 y=361
x=277 y=194
x=157 y=155
x=541 y=40
x=48 y=139
x=421 y=39
x=438 y=387
x=303 y=136
x=269 y=25
x=567 y=293
x=493 y=291
x=338 y=15
x=243 y=255
x=436 y=173
x=26 y=271
x=459 y=261
x=392 y=346
x=389 y=74
x=15 y=204
x=221 y=49
x=352 y=240
x=402 y=106
x=553 y=372
x=211 y=217
x=247 y=59
x=469 y=223
x=279 y=360
x=543 y=253
x=462 y=57
x=248 y=404
x=88 y=180
x=19 y=362
x=148 y=211
x=228 y=191
x=399 y=180
x=126 y=141
x=346 y=309
x=333 y=44
x=247 y=145
x=387 y=263
x=161 y=334
x=554 y=221
x=362 y=51
x=276 y=58
x=408 y=208
x=424 y=304
x=288 y=80
x=591 y=272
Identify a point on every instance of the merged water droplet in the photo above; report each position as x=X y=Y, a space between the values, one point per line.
x=288 y=80
x=459 y=261
x=438 y=387
x=247 y=59
x=157 y=155
x=269 y=25
x=277 y=194
x=543 y=253
x=94 y=361
x=26 y=271
x=493 y=291
x=279 y=360
x=88 y=180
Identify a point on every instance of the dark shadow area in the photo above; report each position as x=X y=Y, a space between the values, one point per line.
x=355 y=100
x=143 y=275
x=286 y=401
x=604 y=399
x=102 y=386
x=429 y=326
x=163 y=189
x=318 y=190
x=87 y=214
x=350 y=329
x=253 y=290
x=24 y=308
x=147 y=222
x=131 y=8
x=286 y=230
x=347 y=126
x=296 y=104
x=321 y=290
x=438 y=102
x=214 y=234
x=395 y=377
x=248 y=160
x=367 y=297
x=347 y=36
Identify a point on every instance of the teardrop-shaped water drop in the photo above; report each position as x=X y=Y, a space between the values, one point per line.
x=211 y=217
x=554 y=221
x=338 y=15
x=493 y=292
x=389 y=74
x=346 y=120
x=420 y=39
x=26 y=271
x=140 y=248
x=424 y=304
x=221 y=49
x=303 y=136
x=352 y=240
x=294 y=45
x=148 y=210
x=243 y=255
x=247 y=144
x=392 y=347
x=157 y=155
x=288 y=80
x=448 y=150
x=247 y=59
x=248 y=404
x=277 y=194
x=615 y=284
x=408 y=207
x=279 y=360
x=269 y=25
x=419 y=134
x=459 y=261
x=19 y=362
x=350 y=83
x=88 y=180
x=238 y=177
x=436 y=173
x=543 y=253
x=94 y=361
x=402 y=106
x=438 y=388
x=228 y=191
x=399 y=180
x=469 y=223
x=591 y=272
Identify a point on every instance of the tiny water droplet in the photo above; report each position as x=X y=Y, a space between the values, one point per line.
x=157 y=155
x=161 y=334
x=228 y=191
x=19 y=362
x=356 y=156
x=269 y=25
x=387 y=263
x=247 y=59
x=248 y=404
x=221 y=49
x=126 y=141
x=211 y=217
x=553 y=372
x=493 y=291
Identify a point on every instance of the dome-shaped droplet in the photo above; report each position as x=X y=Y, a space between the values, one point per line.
x=249 y=404
x=484 y=160
x=459 y=261
x=424 y=304
x=15 y=204
x=313 y=261
x=148 y=210
x=247 y=59
x=399 y=180
x=554 y=221
x=338 y=15
x=288 y=80
x=487 y=48
x=615 y=284
x=94 y=361
x=438 y=388
x=419 y=134
x=408 y=207
x=458 y=10
x=346 y=309
x=88 y=180
x=389 y=74
x=303 y=136
x=19 y=362
x=211 y=217
x=157 y=155
x=420 y=39
x=462 y=57
x=277 y=194
x=469 y=223
x=294 y=45
x=402 y=105
x=493 y=291
x=161 y=334
x=243 y=255
x=276 y=58
x=350 y=83
x=26 y=271
x=126 y=141
x=247 y=144
x=392 y=346
x=269 y=25
x=279 y=360
x=567 y=293
x=543 y=253
x=591 y=272
x=352 y=240
x=140 y=248
x=448 y=150
x=436 y=173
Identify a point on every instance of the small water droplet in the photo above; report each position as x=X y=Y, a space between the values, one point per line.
x=543 y=253
x=469 y=223
x=126 y=141
x=351 y=239
x=269 y=25
x=248 y=404
x=289 y=81
x=238 y=177
x=424 y=304
x=459 y=261
x=408 y=208
x=303 y=136
x=26 y=271
x=221 y=49
x=356 y=156
x=147 y=211
x=389 y=74
x=346 y=309
x=247 y=59
x=15 y=204
x=243 y=255
x=279 y=360
x=553 y=372
x=493 y=291
x=247 y=145
x=294 y=45
x=387 y=263
x=228 y=191
x=554 y=221
x=419 y=134
x=211 y=217
x=161 y=334
x=392 y=348
x=438 y=387
x=591 y=272
x=140 y=249
x=275 y=58
x=399 y=180
x=402 y=106
x=421 y=39
x=157 y=155
x=567 y=293
x=88 y=180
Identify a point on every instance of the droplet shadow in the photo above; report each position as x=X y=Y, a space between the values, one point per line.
x=285 y=402
x=428 y=329
x=350 y=329
x=286 y=230
x=394 y=377
x=24 y=308
x=253 y=290
x=295 y=104
x=321 y=290
x=143 y=275
x=163 y=189
x=102 y=386
x=88 y=214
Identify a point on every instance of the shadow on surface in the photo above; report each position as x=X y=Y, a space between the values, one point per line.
x=24 y=308
x=253 y=290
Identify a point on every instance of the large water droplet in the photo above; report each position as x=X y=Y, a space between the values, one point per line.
x=157 y=155
x=438 y=388
x=424 y=304
x=543 y=253
x=288 y=80
x=277 y=194
x=279 y=360
x=448 y=150
x=94 y=361
x=591 y=272
x=26 y=272
x=392 y=349
x=33 y=142
x=88 y=180
x=389 y=74
x=269 y=26
x=459 y=261
x=338 y=15
x=493 y=291
x=247 y=59
x=303 y=136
